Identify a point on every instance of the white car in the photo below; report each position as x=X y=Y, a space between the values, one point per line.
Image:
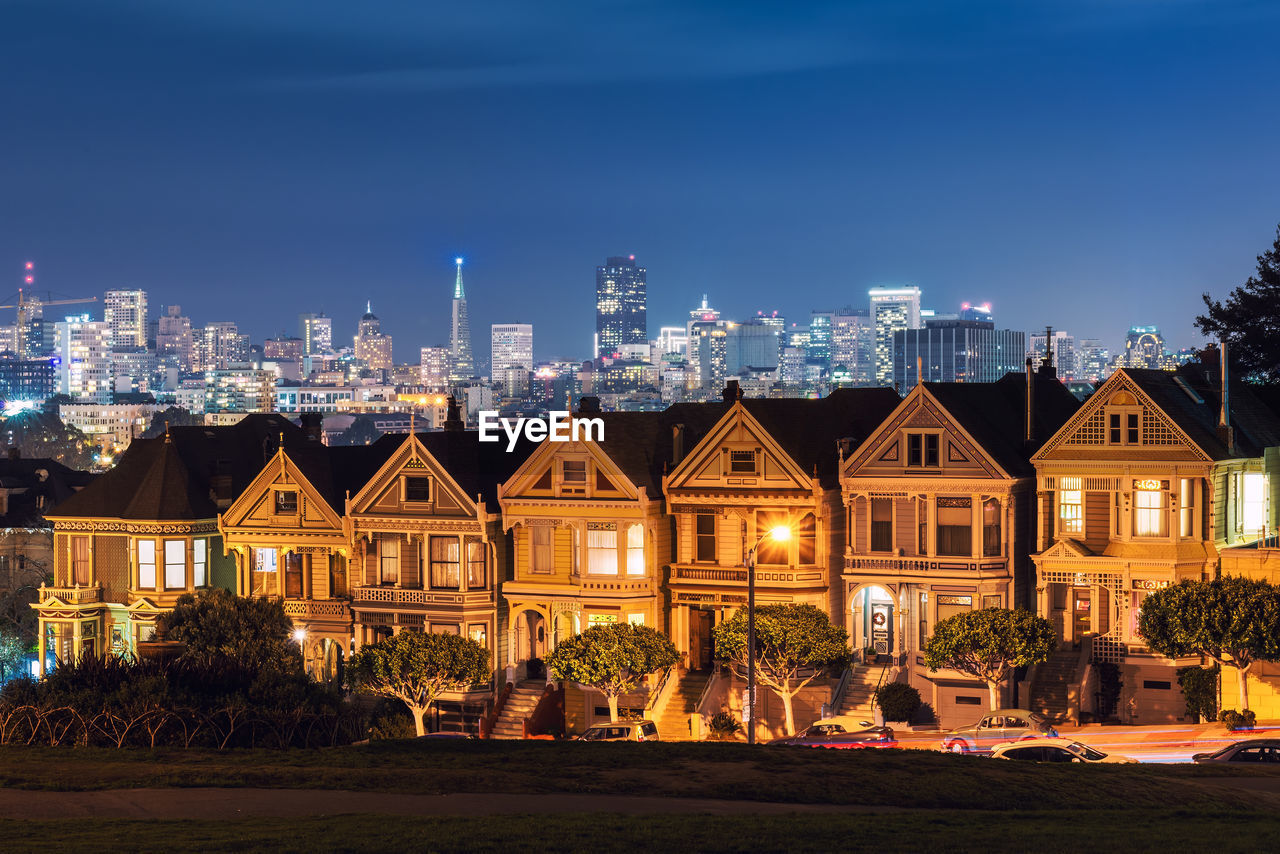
x=1056 y=750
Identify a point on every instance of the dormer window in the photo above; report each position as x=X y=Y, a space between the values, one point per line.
x=573 y=477
x=1122 y=428
x=286 y=502
x=417 y=490
x=742 y=462
x=922 y=450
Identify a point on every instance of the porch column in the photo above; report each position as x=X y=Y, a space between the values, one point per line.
x=40 y=646
x=1094 y=603
x=75 y=640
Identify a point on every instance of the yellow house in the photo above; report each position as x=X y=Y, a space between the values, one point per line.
x=146 y=532
x=289 y=537
x=1151 y=479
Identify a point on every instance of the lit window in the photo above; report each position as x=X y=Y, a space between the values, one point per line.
x=389 y=560
x=199 y=562
x=147 y=564
x=475 y=563
x=602 y=550
x=540 y=539
x=1254 y=501
x=1071 y=506
x=1148 y=513
x=264 y=572
x=635 y=619
x=1187 y=508
x=635 y=550
x=175 y=564
x=445 y=568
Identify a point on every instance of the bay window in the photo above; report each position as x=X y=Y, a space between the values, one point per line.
x=635 y=550
x=955 y=526
x=200 y=563
x=175 y=564
x=445 y=565
x=1070 y=506
x=146 y=564
x=602 y=549
x=1149 y=518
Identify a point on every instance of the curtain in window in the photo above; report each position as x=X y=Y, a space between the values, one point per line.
x=635 y=550
x=445 y=568
x=602 y=551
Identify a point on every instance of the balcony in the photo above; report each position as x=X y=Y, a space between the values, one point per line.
x=737 y=576
x=607 y=584
x=396 y=597
x=317 y=609
x=893 y=565
x=76 y=595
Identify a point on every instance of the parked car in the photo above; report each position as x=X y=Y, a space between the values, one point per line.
x=841 y=734
x=1056 y=750
x=622 y=731
x=997 y=727
x=1249 y=750
x=447 y=735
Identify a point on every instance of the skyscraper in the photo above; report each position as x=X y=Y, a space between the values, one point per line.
x=954 y=350
x=511 y=351
x=1065 y=360
x=173 y=336
x=621 y=300
x=853 y=345
x=84 y=351
x=1144 y=348
x=892 y=310
x=462 y=365
x=316 y=332
x=372 y=347
x=435 y=368
x=125 y=313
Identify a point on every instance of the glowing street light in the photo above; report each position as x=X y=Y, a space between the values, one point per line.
x=779 y=534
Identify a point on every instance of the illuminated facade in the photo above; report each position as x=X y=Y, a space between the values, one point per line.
x=971 y=351
x=316 y=332
x=84 y=353
x=125 y=313
x=371 y=346
x=462 y=366
x=892 y=310
x=621 y=304
x=511 y=349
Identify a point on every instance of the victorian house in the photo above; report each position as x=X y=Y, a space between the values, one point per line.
x=146 y=532
x=762 y=464
x=939 y=504
x=1151 y=482
x=429 y=552
x=288 y=534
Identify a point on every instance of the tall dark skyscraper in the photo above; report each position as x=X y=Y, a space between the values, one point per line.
x=462 y=366
x=621 y=316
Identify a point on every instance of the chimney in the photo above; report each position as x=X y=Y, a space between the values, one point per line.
x=453 y=420
x=731 y=392
x=677 y=443
x=1030 y=429
x=312 y=426
x=919 y=369
x=1225 y=433
x=589 y=405
x=1047 y=370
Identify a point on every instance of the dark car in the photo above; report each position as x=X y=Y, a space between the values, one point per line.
x=1249 y=750
x=997 y=727
x=622 y=731
x=833 y=734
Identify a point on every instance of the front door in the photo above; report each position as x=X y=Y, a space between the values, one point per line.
x=882 y=628
x=1081 y=612
x=701 y=644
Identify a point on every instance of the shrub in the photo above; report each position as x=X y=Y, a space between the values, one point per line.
x=1109 y=686
x=1200 y=690
x=925 y=715
x=724 y=726
x=1236 y=720
x=390 y=720
x=898 y=701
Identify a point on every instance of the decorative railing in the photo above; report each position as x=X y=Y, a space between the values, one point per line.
x=403 y=596
x=616 y=585
x=658 y=694
x=921 y=564
x=76 y=595
x=307 y=609
x=712 y=574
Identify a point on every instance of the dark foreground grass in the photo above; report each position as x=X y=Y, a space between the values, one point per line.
x=737 y=772
x=1073 y=831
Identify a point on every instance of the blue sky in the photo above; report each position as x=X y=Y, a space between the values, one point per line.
x=1089 y=164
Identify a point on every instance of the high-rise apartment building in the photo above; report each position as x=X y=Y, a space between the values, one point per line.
x=1065 y=360
x=752 y=344
x=84 y=352
x=621 y=304
x=174 y=337
x=820 y=328
x=462 y=365
x=125 y=313
x=218 y=345
x=707 y=350
x=372 y=347
x=1095 y=360
x=953 y=350
x=316 y=332
x=1144 y=348
x=511 y=356
x=892 y=310
x=853 y=345
x=435 y=368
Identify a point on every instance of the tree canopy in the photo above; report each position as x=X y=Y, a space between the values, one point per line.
x=1234 y=621
x=612 y=658
x=173 y=416
x=1249 y=320
x=417 y=667
x=794 y=644
x=253 y=632
x=989 y=643
x=42 y=435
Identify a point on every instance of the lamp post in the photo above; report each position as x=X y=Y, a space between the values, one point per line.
x=780 y=534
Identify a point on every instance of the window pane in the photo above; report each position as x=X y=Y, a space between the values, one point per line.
x=806 y=540
x=445 y=570
x=1255 y=501
x=991 y=545
x=913 y=449
x=147 y=564
x=931 y=449
x=264 y=572
x=199 y=562
x=389 y=561
x=175 y=564
x=706 y=538
x=1071 y=511
x=293 y=576
x=575 y=471
x=1148 y=513
x=602 y=552
x=475 y=563
x=417 y=489
x=770 y=551
x=286 y=502
x=1186 y=507
x=540 y=540
x=742 y=462
x=881 y=524
x=635 y=550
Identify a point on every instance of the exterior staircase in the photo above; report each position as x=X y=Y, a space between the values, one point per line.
x=673 y=718
x=859 y=696
x=1049 y=691
x=524 y=697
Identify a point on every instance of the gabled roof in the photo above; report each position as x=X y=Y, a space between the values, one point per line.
x=187 y=475
x=994 y=414
x=642 y=443
x=1256 y=423
x=336 y=471
x=29 y=480
x=477 y=467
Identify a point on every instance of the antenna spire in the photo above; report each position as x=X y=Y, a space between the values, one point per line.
x=458 y=292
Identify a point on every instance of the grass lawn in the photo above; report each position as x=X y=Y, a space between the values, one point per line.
x=733 y=771
x=941 y=830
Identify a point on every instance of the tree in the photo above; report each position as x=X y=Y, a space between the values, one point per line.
x=174 y=416
x=252 y=632
x=417 y=667
x=1234 y=621
x=362 y=431
x=988 y=644
x=13 y=657
x=42 y=435
x=794 y=644
x=612 y=658
x=1249 y=320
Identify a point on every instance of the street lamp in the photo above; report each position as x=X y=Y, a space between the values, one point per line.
x=779 y=534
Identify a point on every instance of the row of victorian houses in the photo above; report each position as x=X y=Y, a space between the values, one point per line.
x=904 y=511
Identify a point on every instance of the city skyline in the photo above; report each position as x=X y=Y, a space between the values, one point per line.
x=1051 y=150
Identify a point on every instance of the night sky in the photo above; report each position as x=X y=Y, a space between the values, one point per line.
x=1086 y=163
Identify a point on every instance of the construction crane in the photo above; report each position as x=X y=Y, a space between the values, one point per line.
x=28 y=307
